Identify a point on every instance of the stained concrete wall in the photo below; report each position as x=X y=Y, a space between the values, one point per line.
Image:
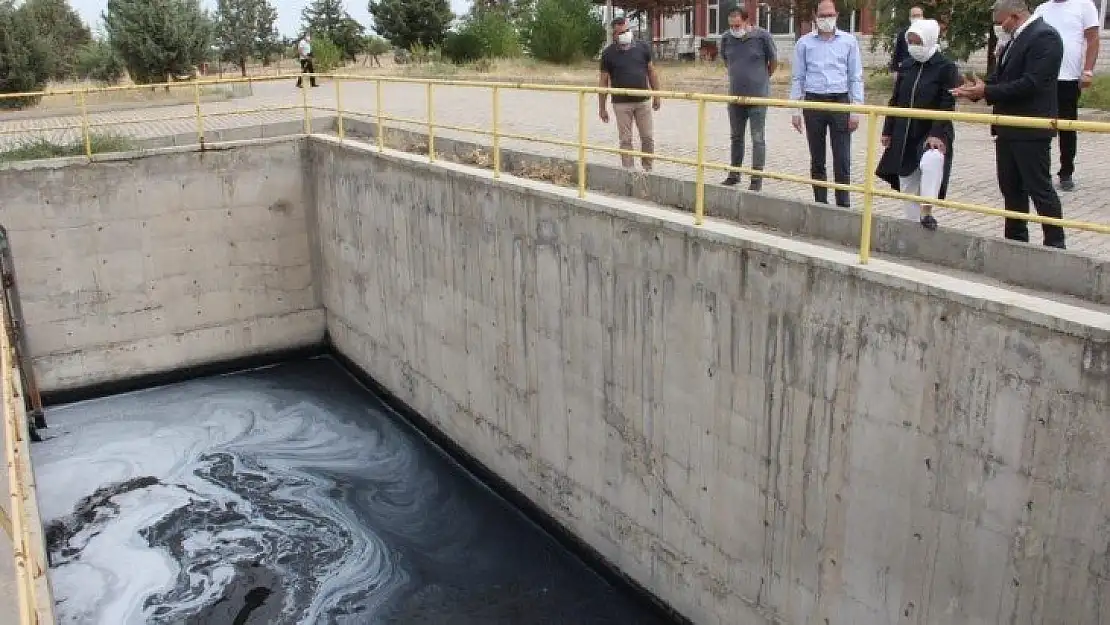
x=757 y=429
x=130 y=266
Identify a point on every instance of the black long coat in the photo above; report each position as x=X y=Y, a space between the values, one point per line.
x=921 y=86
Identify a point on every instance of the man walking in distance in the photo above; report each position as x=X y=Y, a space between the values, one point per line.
x=750 y=58
x=828 y=67
x=627 y=65
x=304 y=53
x=1078 y=24
x=1024 y=84
x=901 y=50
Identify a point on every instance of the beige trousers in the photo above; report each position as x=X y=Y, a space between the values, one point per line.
x=639 y=113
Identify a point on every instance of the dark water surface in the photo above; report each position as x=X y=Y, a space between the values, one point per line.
x=289 y=495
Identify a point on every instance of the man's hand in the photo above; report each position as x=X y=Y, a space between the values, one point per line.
x=603 y=113
x=796 y=121
x=935 y=143
x=853 y=123
x=885 y=140
x=656 y=102
x=973 y=89
x=1086 y=79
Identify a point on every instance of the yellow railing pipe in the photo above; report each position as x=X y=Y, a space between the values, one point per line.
x=304 y=105
x=85 y=135
x=868 y=188
x=339 y=107
x=496 y=132
x=699 y=175
x=200 y=116
x=582 y=144
x=431 y=125
x=381 y=128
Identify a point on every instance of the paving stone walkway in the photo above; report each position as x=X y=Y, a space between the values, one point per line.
x=555 y=115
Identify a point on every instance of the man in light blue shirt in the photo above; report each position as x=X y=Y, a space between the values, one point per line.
x=828 y=67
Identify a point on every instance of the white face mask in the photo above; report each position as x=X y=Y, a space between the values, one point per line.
x=919 y=53
x=625 y=38
x=826 y=24
x=738 y=32
x=1002 y=35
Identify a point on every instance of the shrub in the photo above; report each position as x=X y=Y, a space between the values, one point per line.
x=1097 y=96
x=326 y=56
x=564 y=31
x=98 y=61
x=376 y=45
x=499 y=37
x=463 y=46
x=26 y=59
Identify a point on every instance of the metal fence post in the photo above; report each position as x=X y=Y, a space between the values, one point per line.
x=200 y=117
x=699 y=178
x=431 y=126
x=496 y=132
x=381 y=129
x=581 y=144
x=83 y=96
x=304 y=104
x=339 y=107
x=869 y=187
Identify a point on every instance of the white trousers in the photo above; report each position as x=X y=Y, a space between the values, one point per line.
x=924 y=181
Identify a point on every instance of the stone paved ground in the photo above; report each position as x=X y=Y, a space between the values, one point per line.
x=556 y=114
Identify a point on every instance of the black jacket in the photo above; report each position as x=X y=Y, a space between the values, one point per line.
x=922 y=86
x=1024 y=83
x=901 y=51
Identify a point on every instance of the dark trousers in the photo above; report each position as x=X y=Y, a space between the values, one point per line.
x=740 y=117
x=1067 y=91
x=835 y=126
x=1024 y=172
x=307 y=68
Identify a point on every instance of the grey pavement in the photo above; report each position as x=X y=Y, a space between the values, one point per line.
x=555 y=115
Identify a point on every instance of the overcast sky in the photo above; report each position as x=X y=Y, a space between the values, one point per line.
x=289 y=11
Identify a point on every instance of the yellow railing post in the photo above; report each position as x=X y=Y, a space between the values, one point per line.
x=869 y=187
x=496 y=132
x=200 y=117
x=381 y=129
x=304 y=104
x=431 y=126
x=699 y=177
x=84 y=96
x=582 y=144
x=339 y=107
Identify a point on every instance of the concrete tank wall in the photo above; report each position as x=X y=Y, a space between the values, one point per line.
x=756 y=429
x=137 y=265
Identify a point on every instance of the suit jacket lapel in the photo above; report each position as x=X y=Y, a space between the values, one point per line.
x=1007 y=50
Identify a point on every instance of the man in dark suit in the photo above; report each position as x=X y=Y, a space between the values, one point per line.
x=1023 y=84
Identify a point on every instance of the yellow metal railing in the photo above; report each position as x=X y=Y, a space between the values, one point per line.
x=22 y=527
x=700 y=164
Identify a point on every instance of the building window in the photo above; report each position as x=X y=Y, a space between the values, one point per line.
x=848 y=22
x=713 y=20
x=687 y=23
x=775 y=20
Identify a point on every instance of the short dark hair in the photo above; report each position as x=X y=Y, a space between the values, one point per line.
x=739 y=9
x=617 y=21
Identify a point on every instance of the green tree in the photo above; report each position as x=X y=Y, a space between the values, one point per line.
x=25 y=57
x=412 y=22
x=269 y=43
x=244 y=28
x=62 y=28
x=564 y=31
x=330 y=19
x=97 y=61
x=158 y=38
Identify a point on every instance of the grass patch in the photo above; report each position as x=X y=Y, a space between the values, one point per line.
x=39 y=148
x=1097 y=96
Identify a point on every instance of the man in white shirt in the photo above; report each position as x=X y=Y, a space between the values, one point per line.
x=304 y=53
x=1078 y=25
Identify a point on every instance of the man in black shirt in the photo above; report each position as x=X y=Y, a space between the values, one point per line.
x=626 y=64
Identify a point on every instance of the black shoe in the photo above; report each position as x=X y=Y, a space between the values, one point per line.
x=928 y=222
x=755 y=185
x=1057 y=244
x=731 y=181
x=1067 y=184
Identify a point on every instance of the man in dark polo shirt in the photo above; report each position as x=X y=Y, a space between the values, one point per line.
x=626 y=64
x=750 y=58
